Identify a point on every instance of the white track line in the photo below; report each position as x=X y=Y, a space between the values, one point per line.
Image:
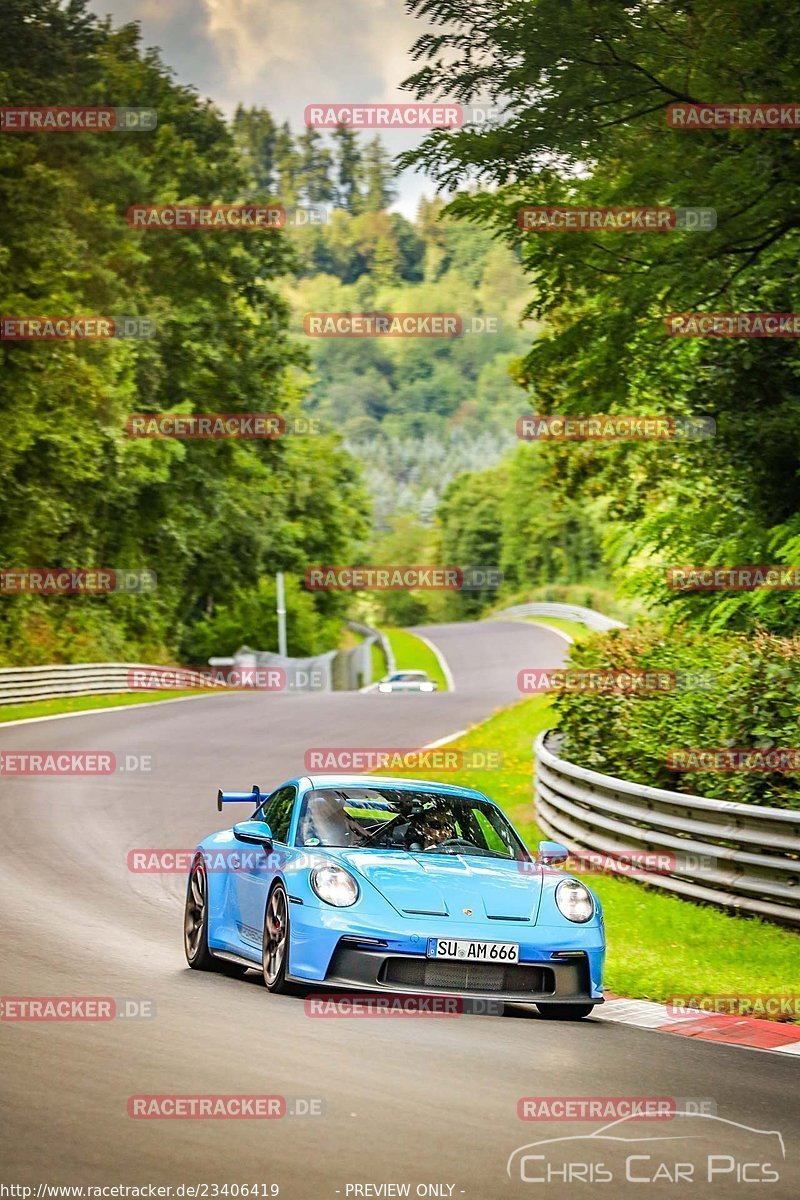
x=443 y=663
x=542 y=625
x=451 y=737
x=93 y=712
x=558 y=632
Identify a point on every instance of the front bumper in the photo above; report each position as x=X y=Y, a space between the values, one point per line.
x=557 y=964
x=376 y=970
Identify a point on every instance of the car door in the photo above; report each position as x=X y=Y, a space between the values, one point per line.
x=259 y=867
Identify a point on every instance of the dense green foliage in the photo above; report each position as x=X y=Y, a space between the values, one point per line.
x=584 y=86
x=209 y=517
x=306 y=170
x=734 y=692
x=416 y=411
x=505 y=518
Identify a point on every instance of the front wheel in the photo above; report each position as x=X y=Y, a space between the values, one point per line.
x=275 y=943
x=564 y=1012
x=195 y=926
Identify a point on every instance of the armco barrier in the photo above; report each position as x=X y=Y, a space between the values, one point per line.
x=371 y=635
x=21 y=684
x=568 y=612
x=748 y=857
x=309 y=674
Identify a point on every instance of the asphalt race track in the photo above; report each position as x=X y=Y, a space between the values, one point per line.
x=419 y=1101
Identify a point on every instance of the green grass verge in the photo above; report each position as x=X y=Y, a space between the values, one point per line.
x=658 y=945
x=68 y=704
x=578 y=632
x=380 y=666
x=411 y=654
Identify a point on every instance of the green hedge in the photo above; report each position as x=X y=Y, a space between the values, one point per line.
x=745 y=694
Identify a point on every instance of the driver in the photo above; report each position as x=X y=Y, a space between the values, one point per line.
x=436 y=827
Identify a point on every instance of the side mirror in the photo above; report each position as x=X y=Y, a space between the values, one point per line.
x=551 y=852
x=255 y=833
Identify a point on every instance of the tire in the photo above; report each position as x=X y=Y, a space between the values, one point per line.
x=275 y=941
x=564 y=1012
x=195 y=927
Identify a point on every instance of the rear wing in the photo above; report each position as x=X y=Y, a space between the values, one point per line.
x=254 y=797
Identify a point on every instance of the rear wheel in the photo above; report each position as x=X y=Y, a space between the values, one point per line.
x=564 y=1012
x=275 y=943
x=195 y=926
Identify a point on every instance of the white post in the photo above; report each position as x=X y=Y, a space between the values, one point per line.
x=281 y=611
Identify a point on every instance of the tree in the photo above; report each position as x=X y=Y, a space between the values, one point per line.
x=210 y=518
x=315 y=163
x=379 y=192
x=584 y=89
x=287 y=166
x=348 y=168
x=254 y=132
x=470 y=532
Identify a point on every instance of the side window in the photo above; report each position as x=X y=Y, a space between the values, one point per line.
x=278 y=813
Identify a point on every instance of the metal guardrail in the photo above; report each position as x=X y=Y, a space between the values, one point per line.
x=21 y=684
x=569 y=612
x=371 y=635
x=313 y=674
x=741 y=856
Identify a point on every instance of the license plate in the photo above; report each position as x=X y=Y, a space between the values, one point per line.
x=499 y=952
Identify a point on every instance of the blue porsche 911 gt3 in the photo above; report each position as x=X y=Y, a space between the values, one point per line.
x=396 y=885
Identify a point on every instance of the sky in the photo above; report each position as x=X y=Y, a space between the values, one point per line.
x=285 y=54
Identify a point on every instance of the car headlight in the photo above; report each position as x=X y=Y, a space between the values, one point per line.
x=574 y=901
x=335 y=886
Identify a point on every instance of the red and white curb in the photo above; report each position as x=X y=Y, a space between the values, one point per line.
x=778 y=1036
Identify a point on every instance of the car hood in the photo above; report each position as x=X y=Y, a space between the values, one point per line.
x=445 y=885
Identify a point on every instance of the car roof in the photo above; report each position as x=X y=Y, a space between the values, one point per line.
x=319 y=780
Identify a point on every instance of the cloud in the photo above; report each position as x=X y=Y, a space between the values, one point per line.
x=284 y=54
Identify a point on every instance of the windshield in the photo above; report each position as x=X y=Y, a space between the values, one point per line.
x=398 y=819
